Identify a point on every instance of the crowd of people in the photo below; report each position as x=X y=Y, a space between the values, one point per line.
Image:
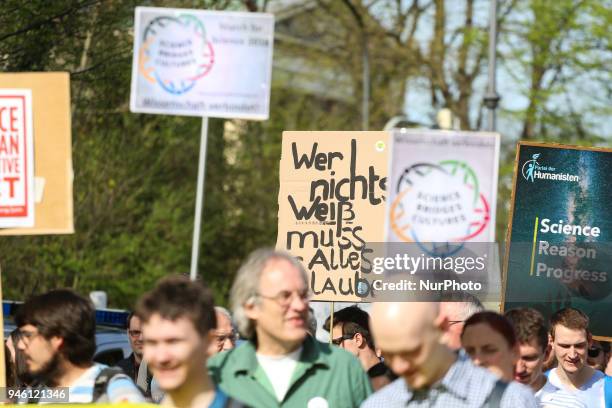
x=187 y=352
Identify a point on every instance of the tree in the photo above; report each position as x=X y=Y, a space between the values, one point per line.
x=558 y=54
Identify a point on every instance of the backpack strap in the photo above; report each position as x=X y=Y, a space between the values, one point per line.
x=495 y=397
x=101 y=383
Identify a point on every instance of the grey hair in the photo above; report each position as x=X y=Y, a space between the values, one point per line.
x=246 y=285
x=468 y=303
x=224 y=312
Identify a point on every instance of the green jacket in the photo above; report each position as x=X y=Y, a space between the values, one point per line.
x=322 y=372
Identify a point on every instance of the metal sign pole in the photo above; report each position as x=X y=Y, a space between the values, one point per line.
x=491 y=98
x=197 y=220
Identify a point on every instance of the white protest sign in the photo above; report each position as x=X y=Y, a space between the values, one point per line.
x=442 y=186
x=202 y=63
x=16 y=159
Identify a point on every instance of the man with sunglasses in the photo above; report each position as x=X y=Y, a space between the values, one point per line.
x=280 y=365
x=598 y=355
x=351 y=331
x=133 y=365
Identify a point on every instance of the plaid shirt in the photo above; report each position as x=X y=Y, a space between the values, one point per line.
x=463 y=386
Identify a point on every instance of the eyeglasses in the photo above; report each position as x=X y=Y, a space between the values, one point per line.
x=339 y=340
x=221 y=338
x=284 y=297
x=452 y=322
x=26 y=336
x=594 y=352
x=135 y=333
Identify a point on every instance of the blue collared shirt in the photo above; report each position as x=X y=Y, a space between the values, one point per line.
x=464 y=386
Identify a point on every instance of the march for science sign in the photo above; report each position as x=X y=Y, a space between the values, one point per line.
x=559 y=252
x=331 y=202
x=440 y=218
x=442 y=186
x=202 y=63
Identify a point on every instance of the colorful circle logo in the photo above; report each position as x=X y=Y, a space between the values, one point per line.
x=175 y=53
x=439 y=202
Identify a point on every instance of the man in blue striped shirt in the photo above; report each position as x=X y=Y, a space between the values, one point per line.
x=411 y=337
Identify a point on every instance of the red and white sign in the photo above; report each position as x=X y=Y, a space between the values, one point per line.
x=16 y=159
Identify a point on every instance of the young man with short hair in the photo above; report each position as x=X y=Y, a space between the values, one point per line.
x=532 y=334
x=572 y=383
x=178 y=323
x=58 y=339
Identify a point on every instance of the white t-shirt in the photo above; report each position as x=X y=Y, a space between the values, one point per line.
x=279 y=370
x=555 y=394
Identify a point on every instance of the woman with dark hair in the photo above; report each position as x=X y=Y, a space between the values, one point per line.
x=489 y=339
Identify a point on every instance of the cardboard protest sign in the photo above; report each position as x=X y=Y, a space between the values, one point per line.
x=442 y=186
x=331 y=202
x=559 y=251
x=52 y=164
x=16 y=159
x=202 y=63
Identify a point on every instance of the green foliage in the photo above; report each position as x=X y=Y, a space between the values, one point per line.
x=560 y=58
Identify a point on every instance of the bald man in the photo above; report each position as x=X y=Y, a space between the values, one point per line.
x=411 y=337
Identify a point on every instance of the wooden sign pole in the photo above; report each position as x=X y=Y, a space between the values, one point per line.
x=2 y=356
